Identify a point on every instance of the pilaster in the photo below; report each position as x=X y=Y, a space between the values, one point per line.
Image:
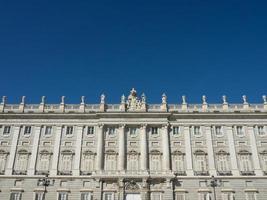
x=35 y=146
x=77 y=158
x=254 y=149
x=13 y=150
x=166 y=148
x=232 y=151
x=143 y=149
x=188 y=152
x=55 y=158
x=121 y=158
x=100 y=148
x=211 y=161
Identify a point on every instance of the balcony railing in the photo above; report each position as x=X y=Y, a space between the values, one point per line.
x=65 y=172
x=247 y=173
x=201 y=173
x=20 y=172
x=224 y=173
x=180 y=173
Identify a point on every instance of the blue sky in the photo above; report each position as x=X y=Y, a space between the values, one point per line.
x=76 y=48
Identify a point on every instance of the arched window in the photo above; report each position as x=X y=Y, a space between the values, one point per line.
x=178 y=162
x=133 y=161
x=43 y=162
x=66 y=162
x=22 y=162
x=222 y=161
x=3 y=159
x=201 y=164
x=88 y=160
x=245 y=163
x=110 y=160
x=155 y=160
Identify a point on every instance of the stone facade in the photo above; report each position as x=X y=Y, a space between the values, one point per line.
x=133 y=150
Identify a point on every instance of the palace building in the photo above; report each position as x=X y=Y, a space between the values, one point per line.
x=133 y=150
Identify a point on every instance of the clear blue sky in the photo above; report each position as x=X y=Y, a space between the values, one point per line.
x=76 y=48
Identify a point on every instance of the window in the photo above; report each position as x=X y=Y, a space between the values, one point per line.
x=196 y=130
x=15 y=196
x=204 y=196
x=27 y=130
x=6 y=130
x=261 y=130
x=227 y=196
x=132 y=162
x=111 y=161
x=88 y=162
x=155 y=163
x=218 y=130
x=3 y=157
x=155 y=195
x=69 y=130
x=66 y=162
x=109 y=196
x=176 y=130
x=154 y=130
x=62 y=196
x=39 y=196
x=200 y=162
x=22 y=161
x=263 y=156
x=111 y=131
x=239 y=130
x=90 y=130
x=48 y=130
x=86 y=196
x=222 y=161
x=178 y=162
x=245 y=161
x=44 y=161
x=179 y=196
x=133 y=131
x=251 y=196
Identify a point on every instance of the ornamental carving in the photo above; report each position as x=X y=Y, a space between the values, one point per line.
x=133 y=103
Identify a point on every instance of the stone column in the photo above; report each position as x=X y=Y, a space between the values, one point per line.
x=143 y=149
x=232 y=151
x=255 y=153
x=77 y=158
x=188 y=151
x=121 y=158
x=100 y=148
x=56 y=149
x=211 y=161
x=13 y=150
x=165 y=148
x=35 y=146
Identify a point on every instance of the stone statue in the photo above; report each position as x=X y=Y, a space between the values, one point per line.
x=264 y=99
x=164 y=98
x=244 y=99
x=204 y=99
x=133 y=102
x=102 y=99
x=143 y=98
x=3 y=100
x=43 y=100
x=123 y=99
x=82 y=99
x=183 y=99
x=224 y=99
x=23 y=100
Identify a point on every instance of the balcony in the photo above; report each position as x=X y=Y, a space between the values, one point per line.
x=201 y=173
x=42 y=172
x=247 y=173
x=224 y=173
x=64 y=172
x=20 y=172
x=86 y=173
x=2 y=172
x=180 y=173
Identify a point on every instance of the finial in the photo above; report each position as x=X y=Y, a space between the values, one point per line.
x=42 y=99
x=204 y=99
x=62 y=100
x=23 y=100
x=102 y=99
x=3 y=100
x=123 y=99
x=82 y=99
x=224 y=99
x=164 y=98
x=264 y=99
x=183 y=99
x=244 y=99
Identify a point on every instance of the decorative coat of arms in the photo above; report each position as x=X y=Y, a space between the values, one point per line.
x=133 y=103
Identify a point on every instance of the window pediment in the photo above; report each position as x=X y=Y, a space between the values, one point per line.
x=3 y=152
x=264 y=152
x=178 y=153
x=155 y=152
x=244 y=152
x=200 y=152
x=89 y=153
x=132 y=152
x=111 y=152
x=45 y=152
x=222 y=152
x=23 y=151
x=67 y=152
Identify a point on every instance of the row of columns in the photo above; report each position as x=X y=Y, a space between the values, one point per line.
x=143 y=150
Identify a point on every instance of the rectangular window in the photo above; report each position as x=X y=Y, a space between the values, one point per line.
x=69 y=130
x=179 y=196
x=86 y=196
x=6 y=130
x=204 y=196
x=261 y=130
x=111 y=130
x=176 y=130
x=196 y=130
x=39 y=196
x=155 y=195
x=133 y=131
x=239 y=130
x=154 y=130
x=90 y=130
x=62 y=196
x=218 y=130
x=27 y=130
x=251 y=196
x=109 y=196
x=15 y=196
x=48 y=130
